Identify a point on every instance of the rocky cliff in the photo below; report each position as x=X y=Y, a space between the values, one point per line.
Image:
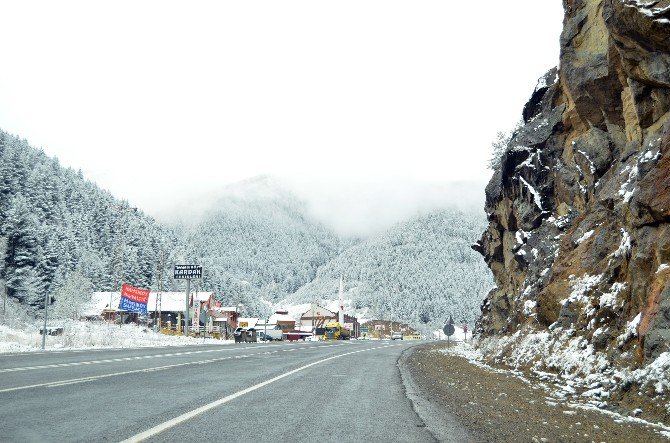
x=579 y=210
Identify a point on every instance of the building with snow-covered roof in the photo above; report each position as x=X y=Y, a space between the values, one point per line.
x=99 y=305
x=283 y=320
x=316 y=317
x=169 y=304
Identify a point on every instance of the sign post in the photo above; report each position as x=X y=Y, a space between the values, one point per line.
x=449 y=330
x=187 y=272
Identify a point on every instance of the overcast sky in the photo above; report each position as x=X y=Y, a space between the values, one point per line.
x=154 y=100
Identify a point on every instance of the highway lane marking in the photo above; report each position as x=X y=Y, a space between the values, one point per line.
x=54 y=384
x=75 y=351
x=195 y=412
x=116 y=360
x=141 y=357
x=58 y=383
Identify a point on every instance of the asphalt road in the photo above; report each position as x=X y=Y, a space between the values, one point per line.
x=303 y=391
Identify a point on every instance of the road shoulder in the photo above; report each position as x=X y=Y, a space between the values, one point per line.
x=444 y=426
x=499 y=406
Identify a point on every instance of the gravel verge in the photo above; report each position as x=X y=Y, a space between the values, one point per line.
x=462 y=401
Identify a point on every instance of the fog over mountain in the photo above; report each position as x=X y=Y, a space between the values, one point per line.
x=351 y=207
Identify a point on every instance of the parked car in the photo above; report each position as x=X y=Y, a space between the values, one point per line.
x=396 y=335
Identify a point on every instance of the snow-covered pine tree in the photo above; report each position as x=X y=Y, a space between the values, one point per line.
x=72 y=296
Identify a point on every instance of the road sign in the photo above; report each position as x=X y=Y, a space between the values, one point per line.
x=187 y=272
x=364 y=329
x=449 y=328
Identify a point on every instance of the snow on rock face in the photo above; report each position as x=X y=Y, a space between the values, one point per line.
x=586 y=236
x=589 y=192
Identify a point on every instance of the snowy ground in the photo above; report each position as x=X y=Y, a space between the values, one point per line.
x=87 y=335
x=570 y=390
x=20 y=332
x=561 y=357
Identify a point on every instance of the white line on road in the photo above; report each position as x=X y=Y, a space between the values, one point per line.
x=141 y=357
x=191 y=414
x=54 y=384
x=115 y=360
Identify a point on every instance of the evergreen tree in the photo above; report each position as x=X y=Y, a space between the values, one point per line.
x=72 y=296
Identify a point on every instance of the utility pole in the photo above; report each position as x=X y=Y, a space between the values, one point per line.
x=157 y=316
x=44 y=331
x=120 y=247
x=391 y=318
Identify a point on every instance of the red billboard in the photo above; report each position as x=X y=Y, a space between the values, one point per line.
x=134 y=299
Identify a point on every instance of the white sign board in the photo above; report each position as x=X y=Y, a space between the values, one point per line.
x=187 y=272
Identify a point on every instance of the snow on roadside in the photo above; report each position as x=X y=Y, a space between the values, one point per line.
x=561 y=388
x=87 y=335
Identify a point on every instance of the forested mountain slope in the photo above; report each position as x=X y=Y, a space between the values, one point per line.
x=258 y=242
x=53 y=222
x=420 y=271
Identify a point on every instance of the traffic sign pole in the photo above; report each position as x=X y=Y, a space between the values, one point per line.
x=449 y=330
x=188 y=289
x=187 y=272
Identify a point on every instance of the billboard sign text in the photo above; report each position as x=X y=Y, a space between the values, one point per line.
x=134 y=299
x=187 y=272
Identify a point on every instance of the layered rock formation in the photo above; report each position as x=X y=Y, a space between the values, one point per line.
x=579 y=210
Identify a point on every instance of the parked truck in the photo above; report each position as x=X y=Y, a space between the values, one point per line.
x=270 y=334
x=335 y=331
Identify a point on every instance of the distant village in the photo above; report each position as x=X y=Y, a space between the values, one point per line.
x=209 y=318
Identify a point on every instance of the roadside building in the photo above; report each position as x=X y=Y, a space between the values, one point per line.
x=383 y=328
x=287 y=324
x=227 y=314
x=315 y=319
x=284 y=321
x=247 y=322
x=168 y=306
x=99 y=307
x=351 y=323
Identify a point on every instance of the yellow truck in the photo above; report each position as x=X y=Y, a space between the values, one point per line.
x=335 y=331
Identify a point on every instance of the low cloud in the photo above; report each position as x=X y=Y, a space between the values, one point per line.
x=352 y=207
x=360 y=208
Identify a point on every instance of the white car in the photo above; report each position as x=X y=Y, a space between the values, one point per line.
x=396 y=335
